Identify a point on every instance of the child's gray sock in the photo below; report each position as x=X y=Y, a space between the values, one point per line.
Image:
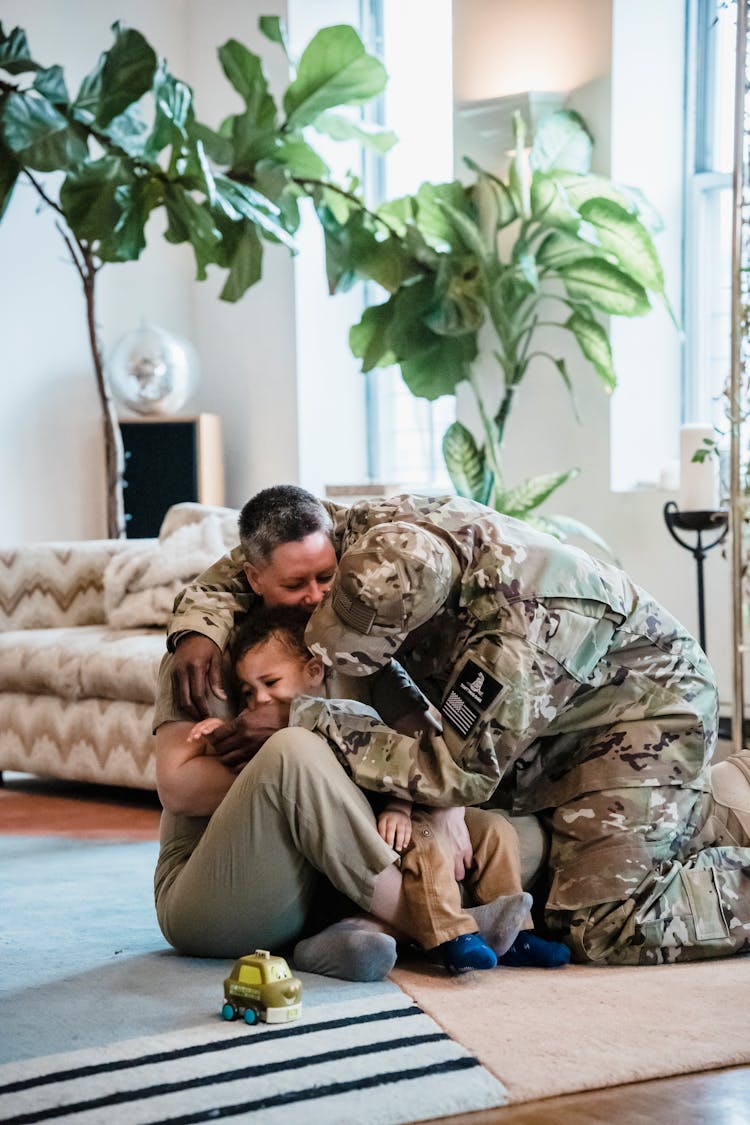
x=350 y=950
x=499 y=921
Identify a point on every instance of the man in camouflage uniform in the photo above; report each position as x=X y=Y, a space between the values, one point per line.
x=592 y=702
x=562 y=679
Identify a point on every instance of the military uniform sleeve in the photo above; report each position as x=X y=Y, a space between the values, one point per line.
x=210 y=603
x=512 y=687
x=379 y=759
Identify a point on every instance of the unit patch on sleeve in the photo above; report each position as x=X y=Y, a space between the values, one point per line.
x=472 y=693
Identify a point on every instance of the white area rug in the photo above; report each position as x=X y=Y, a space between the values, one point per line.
x=380 y=1061
x=102 y=1024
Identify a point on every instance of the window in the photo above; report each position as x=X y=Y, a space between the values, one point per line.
x=708 y=241
x=405 y=433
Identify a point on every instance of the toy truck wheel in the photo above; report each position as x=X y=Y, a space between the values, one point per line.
x=228 y=1012
x=251 y=1015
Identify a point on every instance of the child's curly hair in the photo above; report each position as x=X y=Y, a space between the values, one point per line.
x=284 y=622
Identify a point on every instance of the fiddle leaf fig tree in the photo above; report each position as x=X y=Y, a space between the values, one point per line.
x=550 y=245
x=127 y=143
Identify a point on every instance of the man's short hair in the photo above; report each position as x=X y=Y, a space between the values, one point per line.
x=284 y=513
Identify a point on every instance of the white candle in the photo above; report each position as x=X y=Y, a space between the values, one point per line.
x=699 y=480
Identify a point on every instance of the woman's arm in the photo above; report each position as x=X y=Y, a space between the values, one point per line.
x=188 y=781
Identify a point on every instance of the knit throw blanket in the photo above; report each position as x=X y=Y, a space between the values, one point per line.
x=140 y=585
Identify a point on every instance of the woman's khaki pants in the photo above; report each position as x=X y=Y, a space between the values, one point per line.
x=253 y=879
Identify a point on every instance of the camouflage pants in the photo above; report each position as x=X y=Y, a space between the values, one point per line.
x=649 y=875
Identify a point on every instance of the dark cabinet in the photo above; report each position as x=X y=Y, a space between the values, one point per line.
x=168 y=461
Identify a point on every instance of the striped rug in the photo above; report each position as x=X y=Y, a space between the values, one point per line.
x=379 y=1060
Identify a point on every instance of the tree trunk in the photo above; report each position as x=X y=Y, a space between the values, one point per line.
x=113 y=448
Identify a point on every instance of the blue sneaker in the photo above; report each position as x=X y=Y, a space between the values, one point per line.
x=529 y=951
x=466 y=952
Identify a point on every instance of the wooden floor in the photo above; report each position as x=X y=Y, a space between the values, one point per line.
x=721 y=1097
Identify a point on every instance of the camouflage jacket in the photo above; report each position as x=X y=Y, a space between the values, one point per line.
x=383 y=761
x=539 y=651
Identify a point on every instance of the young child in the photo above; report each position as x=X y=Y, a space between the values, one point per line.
x=271 y=662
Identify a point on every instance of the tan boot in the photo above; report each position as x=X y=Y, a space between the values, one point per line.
x=730 y=788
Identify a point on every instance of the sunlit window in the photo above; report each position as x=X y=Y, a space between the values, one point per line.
x=710 y=132
x=405 y=433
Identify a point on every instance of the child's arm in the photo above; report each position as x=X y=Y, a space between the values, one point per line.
x=394 y=823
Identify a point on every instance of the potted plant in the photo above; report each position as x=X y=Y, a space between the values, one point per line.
x=552 y=244
x=128 y=142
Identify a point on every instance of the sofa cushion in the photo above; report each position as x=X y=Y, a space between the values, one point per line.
x=82 y=663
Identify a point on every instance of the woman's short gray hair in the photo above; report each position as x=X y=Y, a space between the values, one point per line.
x=284 y=513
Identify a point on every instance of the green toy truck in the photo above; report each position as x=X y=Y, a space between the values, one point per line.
x=261 y=987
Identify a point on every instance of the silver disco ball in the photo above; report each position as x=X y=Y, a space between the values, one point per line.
x=152 y=371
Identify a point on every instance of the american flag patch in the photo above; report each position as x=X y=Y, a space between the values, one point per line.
x=460 y=714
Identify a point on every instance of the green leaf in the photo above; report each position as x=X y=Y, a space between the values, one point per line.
x=527 y=264
x=9 y=172
x=245 y=265
x=440 y=368
x=435 y=207
x=173 y=110
x=519 y=174
x=302 y=161
x=495 y=208
x=87 y=197
x=244 y=70
x=594 y=343
x=465 y=462
x=341 y=128
x=242 y=201
x=563 y=369
x=354 y=251
x=128 y=131
x=39 y=135
x=550 y=202
x=334 y=70
x=469 y=234
x=190 y=221
x=459 y=308
x=127 y=73
x=561 y=140
x=15 y=56
x=560 y=248
x=274 y=28
x=368 y=340
x=534 y=491
x=50 y=83
x=135 y=201
x=605 y=287
x=627 y=240
x=219 y=148
x=107 y=206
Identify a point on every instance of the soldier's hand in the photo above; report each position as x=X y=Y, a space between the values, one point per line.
x=418 y=724
x=238 y=741
x=196 y=674
x=452 y=823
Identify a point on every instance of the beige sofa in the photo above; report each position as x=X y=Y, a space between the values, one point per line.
x=82 y=635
